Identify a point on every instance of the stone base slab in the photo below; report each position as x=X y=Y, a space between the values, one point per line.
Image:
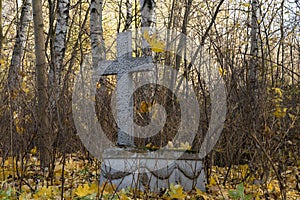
x=152 y=170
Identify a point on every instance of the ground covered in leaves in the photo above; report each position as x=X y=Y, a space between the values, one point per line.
x=78 y=179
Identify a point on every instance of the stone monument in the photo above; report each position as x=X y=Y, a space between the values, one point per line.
x=123 y=67
x=132 y=167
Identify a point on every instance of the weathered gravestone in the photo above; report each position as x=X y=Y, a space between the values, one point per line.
x=132 y=167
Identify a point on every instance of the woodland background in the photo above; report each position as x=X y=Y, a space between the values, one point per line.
x=255 y=44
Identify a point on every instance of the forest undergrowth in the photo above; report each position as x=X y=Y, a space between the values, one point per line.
x=77 y=177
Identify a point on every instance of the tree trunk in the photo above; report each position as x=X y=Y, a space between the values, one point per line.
x=60 y=36
x=97 y=42
x=128 y=15
x=16 y=60
x=45 y=143
x=60 y=46
x=182 y=44
x=148 y=13
x=148 y=22
x=1 y=30
x=50 y=41
x=254 y=46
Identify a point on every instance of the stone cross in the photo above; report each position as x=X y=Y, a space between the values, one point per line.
x=123 y=67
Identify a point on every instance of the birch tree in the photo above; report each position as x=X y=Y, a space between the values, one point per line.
x=148 y=13
x=253 y=65
x=14 y=78
x=18 y=52
x=147 y=21
x=45 y=143
x=182 y=43
x=55 y=75
x=128 y=15
x=60 y=36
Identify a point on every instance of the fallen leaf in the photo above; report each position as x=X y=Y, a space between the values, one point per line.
x=83 y=190
x=201 y=194
x=176 y=192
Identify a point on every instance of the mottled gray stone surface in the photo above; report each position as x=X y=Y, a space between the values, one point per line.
x=151 y=170
x=123 y=67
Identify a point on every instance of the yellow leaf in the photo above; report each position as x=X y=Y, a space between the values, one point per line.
x=176 y=192
x=71 y=165
x=273 y=186
x=149 y=145
x=98 y=86
x=146 y=35
x=19 y=129
x=201 y=194
x=33 y=150
x=277 y=100
x=83 y=190
x=44 y=192
x=107 y=188
x=24 y=87
x=58 y=170
x=244 y=170
x=93 y=188
x=278 y=91
x=25 y=188
x=9 y=161
x=222 y=71
x=156 y=45
x=212 y=181
x=280 y=112
x=2 y=62
x=143 y=107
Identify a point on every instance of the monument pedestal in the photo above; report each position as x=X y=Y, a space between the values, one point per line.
x=141 y=169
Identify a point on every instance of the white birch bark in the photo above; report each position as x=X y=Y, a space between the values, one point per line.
x=55 y=75
x=18 y=52
x=60 y=35
x=128 y=25
x=97 y=42
x=147 y=22
x=60 y=46
x=148 y=12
